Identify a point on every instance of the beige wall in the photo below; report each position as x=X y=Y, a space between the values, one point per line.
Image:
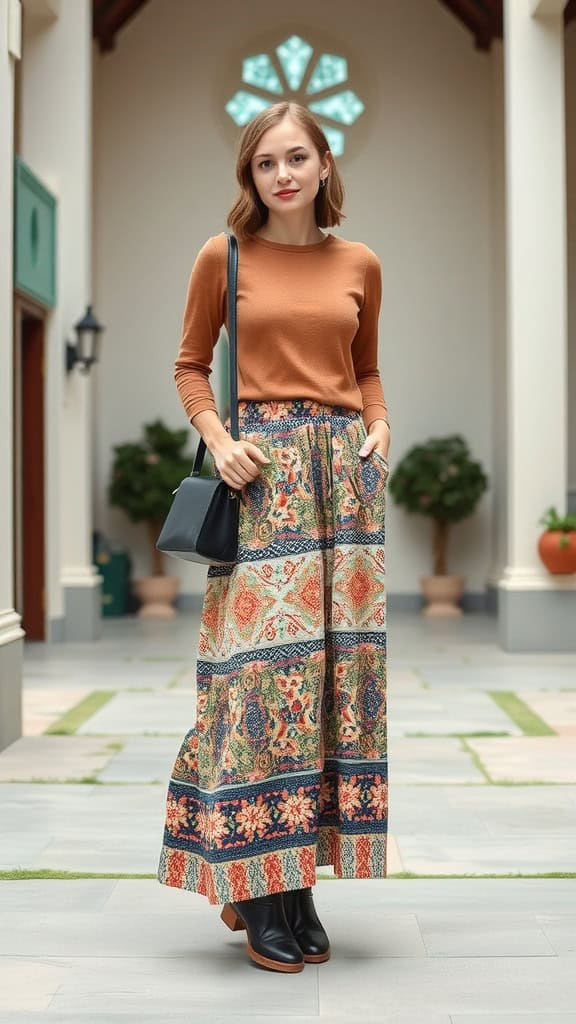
x=420 y=192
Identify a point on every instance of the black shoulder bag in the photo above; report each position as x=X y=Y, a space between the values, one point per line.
x=202 y=524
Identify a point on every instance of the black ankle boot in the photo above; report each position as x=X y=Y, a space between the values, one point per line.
x=270 y=941
x=305 y=925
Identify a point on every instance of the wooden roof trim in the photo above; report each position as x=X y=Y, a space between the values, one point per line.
x=109 y=16
x=482 y=17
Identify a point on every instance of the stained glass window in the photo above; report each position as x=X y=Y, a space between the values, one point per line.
x=244 y=106
x=344 y=107
x=261 y=72
x=296 y=73
x=329 y=71
x=335 y=138
x=294 y=55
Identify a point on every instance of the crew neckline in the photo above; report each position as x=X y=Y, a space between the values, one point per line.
x=286 y=247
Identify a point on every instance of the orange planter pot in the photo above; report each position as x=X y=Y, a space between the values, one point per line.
x=558 y=559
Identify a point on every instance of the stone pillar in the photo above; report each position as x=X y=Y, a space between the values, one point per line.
x=11 y=633
x=57 y=144
x=536 y=611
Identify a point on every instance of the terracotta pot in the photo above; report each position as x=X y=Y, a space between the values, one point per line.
x=442 y=594
x=157 y=594
x=556 y=557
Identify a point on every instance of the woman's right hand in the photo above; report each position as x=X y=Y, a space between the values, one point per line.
x=238 y=462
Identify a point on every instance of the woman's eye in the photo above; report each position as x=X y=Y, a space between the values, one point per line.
x=298 y=156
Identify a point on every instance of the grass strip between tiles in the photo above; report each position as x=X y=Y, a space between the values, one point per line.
x=523 y=716
x=71 y=721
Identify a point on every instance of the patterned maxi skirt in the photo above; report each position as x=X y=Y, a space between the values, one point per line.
x=286 y=766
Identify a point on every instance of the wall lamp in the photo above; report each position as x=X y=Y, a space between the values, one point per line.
x=86 y=349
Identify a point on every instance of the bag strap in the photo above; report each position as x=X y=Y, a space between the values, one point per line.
x=232 y=351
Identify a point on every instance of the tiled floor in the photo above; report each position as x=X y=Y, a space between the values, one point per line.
x=404 y=950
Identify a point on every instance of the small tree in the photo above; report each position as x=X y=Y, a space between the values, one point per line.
x=440 y=480
x=144 y=475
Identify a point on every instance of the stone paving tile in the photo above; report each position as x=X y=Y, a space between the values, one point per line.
x=456 y=829
x=468 y=897
x=484 y=934
x=452 y=854
x=100 y=673
x=528 y=758
x=403 y=679
x=41 y=896
x=560 y=930
x=197 y=982
x=515 y=677
x=553 y=897
x=53 y=758
x=513 y=1018
x=442 y=711
x=29 y=985
x=21 y=849
x=451 y=985
x=557 y=708
x=168 y=712
x=82 y=827
x=422 y=760
x=157 y=935
x=398 y=947
x=43 y=706
x=263 y=1016
x=142 y=759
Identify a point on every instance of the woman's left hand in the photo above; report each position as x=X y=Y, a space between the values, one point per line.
x=378 y=438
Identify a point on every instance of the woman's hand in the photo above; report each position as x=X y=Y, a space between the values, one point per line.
x=238 y=462
x=378 y=438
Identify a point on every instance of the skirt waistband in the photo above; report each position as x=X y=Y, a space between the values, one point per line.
x=269 y=410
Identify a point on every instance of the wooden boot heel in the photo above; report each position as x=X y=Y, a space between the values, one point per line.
x=231 y=919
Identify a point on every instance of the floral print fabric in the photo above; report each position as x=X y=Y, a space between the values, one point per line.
x=286 y=767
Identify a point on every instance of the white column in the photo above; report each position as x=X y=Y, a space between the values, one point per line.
x=536 y=317
x=11 y=633
x=57 y=143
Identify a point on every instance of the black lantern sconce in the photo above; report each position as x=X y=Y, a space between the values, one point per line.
x=86 y=349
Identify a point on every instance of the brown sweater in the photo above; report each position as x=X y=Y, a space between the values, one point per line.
x=307 y=324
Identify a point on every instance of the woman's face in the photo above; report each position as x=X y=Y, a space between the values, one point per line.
x=287 y=160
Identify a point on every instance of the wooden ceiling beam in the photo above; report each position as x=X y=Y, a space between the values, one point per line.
x=477 y=18
x=570 y=11
x=496 y=9
x=109 y=16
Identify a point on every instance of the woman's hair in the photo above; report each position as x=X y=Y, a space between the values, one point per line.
x=249 y=212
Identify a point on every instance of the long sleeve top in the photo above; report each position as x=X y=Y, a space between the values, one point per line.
x=307 y=322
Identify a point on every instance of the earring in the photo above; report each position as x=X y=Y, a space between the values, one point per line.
x=323 y=181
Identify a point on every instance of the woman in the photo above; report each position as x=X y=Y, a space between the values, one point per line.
x=286 y=767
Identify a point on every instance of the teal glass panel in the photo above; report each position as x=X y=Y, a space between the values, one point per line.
x=344 y=107
x=34 y=236
x=260 y=71
x=335 y=139
x=244 y=106
x=294 y=55
x=329 y=71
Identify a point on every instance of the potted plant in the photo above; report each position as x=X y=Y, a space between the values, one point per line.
x=439 y=479
x=143 y=476
x=557 y=544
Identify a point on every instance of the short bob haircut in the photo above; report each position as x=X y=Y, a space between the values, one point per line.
x=249 y=212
